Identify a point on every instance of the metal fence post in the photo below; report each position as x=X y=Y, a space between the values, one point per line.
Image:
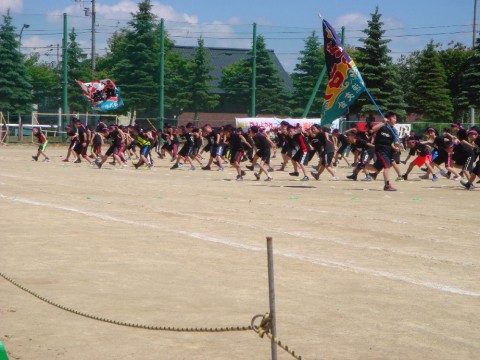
x=271 y=297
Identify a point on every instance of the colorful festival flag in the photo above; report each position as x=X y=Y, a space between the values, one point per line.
x=102 y=94
x=345 y=84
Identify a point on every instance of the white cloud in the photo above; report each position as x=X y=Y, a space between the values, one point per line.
x=216 y=34
x=123 y=10
x=12 y=5
x=354 y=21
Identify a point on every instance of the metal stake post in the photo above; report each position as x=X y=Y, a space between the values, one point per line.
x=271 y=296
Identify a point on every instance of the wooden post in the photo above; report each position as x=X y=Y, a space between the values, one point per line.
x=271 y=296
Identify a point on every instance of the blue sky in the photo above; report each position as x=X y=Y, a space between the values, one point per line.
x=410 y=24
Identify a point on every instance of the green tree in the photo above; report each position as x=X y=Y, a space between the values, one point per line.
x=136 y=62
x=305 y=77
x=45 y=81
x=77 y=69
x=378 y=72
x=236 y=80
x=406 y=67
x=471 y=80
x=456 y=60
x=15 y=87
x=199 y=82
x=431 y=94
x=271 y=95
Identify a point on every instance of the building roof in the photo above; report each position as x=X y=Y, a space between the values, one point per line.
x=223 y=57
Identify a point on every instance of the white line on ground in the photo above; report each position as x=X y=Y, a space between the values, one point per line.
x=321 y=262
x=293 y=234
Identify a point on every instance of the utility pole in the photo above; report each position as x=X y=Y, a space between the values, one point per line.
x=474 y=24
x=93 y=36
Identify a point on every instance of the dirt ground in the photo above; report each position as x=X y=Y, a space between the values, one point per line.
x=360 y=273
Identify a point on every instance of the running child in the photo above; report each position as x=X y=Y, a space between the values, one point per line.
x=424 y=157
x=42 y=144
x=263 y=144
x=237 y=142
x=214 y=147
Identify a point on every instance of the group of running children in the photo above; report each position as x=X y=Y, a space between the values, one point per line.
x=375 y=149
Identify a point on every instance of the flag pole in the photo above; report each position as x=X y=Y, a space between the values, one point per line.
x=381 y=113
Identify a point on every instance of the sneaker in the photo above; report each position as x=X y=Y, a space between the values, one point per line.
x=352 y=177
x=180 y=165
x=206 y=168
x=367 y=178
x=149 y=165
x=269 y=178
x=221 y=168
x=389 y=188
x=239 y=178
x=457 y=178
x=257 y=176
x=315 y=175
x=399 y=178
x=99 y=164
x=373 y=175
x=35 y=157
x=405 y=177
x=467 y=185
x=243 y=173
x=443 y=173
x=295 y=173
x=46 y=160
x=192 y=168
x=136 y=165
x=305 y=178
x=271 y=169
x=424 y=169
x=175 y=166
x=434 y=178
x=78 y=161
x=335 y=163
x=123 y=166
x=334 y=178
x=424 y=177
x=65 y=160
x=249 y=167
x=111 y=163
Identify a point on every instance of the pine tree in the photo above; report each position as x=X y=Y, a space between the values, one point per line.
x=15 y=87
x=136 y=60
x=471 y=80
x=77 y=69
x=431 y=94
x=305 y=77
x=271 y=95
x=199 y=83
x=456 y=60
x=378 y=72
x=406 y=67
